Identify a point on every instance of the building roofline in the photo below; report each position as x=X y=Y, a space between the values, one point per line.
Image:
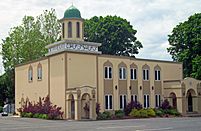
x=140 y=59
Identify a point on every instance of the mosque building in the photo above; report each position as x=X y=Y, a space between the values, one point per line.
x=74 y=73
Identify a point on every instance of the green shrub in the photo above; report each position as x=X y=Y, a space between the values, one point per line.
x=1 y=109
x=173 y=112
x=135 y=113
x=44 y=116
x=151 y=112
x=119 y=113
x=40 y=116
x=36 y=115
x=159 y=112
x=30 y=115
x=104 y=116
x=143 y=113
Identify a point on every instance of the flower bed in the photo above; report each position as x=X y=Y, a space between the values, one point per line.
x=42 y=109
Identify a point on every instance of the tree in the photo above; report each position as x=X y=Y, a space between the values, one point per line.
x=185 y=45
x=116 y=35
x=27 y=42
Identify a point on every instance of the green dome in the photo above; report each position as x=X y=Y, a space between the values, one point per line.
x=72 y=12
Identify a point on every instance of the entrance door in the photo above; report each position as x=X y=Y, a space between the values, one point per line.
x=190 y=103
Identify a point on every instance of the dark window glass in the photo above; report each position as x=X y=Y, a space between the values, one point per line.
x=144 y=75
x=121 y=102
x=132 y=77
x=145 y=101
x=110 y=101
x=124 y=101
x=132 y=99
x=147 y=74
x=159 y=97
x=106 y=102
x=63 y=31
x=135 y=74
x=159 y=75
x=156 y=73
x=78 y=29
x=135 y=97
x=120 y=73
x=156 y=100
x=69 y=29
x=106 y=72
x=110 y=72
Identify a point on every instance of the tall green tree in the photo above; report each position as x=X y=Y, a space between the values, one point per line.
x=185 y=45
x=27 y=42
x=116 y=35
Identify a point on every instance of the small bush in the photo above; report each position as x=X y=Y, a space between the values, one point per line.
x=1 y=109
x=104 y=116
x=173 y=112
x=166 y=105
x=119 y=114
x=135 y=113
x=151 y=112
x=36 y=115
x=143 y=113
x=30 y=115
x=132 y=105
x=159 y=112
x=44 y=116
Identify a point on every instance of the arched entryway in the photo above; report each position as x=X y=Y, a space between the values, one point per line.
x=71 y=104
x=173 y=100
x=190 y=100
x=85 y=105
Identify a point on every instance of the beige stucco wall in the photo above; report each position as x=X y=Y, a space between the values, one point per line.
x=57 y=80
x=169 y=71
x=82 y=70
x=31 y=90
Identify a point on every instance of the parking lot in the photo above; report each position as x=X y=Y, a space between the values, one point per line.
x=153 y=124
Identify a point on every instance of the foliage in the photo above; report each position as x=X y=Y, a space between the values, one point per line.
x=159 y=112
x=104 y=116
x=185 y=45
x=139 y=113
x=97 y=108
x=1 y=109
x=44 y=106
x=166 y=105
x=119 y=114
x=27 y=42
x=173 y=112
x=132 y=105
x=115 y=33
x=151 y=112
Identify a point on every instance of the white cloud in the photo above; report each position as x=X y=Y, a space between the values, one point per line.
x=153 y=19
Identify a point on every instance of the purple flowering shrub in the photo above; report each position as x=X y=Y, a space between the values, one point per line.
x=132 y=105
x=43 y=106
x=165 y=105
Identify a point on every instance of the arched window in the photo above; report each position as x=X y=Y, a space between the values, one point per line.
x=39 y=72
x=30 y=73
x=157 y=71
x=63 y=31
x=69 y=29
x=78 y=29
x=145 y=74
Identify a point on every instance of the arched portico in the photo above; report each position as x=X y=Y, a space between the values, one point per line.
x=81 y=103
x=191 y=99
x=173 y=100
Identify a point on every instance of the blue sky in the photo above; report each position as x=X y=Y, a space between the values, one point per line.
x=153 y=19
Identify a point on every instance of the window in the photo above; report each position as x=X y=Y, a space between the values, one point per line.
x=133 y=97
x=108 y=102
x=122 y=101
x=158 y=100
x=63 y=31
x=122 y=73
x=78 y=29
x=133 y=74
x=108 y=72
x=69 y=29
x=39 y=72
x=146 y=101
x=145 y=74
x=157 y=75
x=30 y=74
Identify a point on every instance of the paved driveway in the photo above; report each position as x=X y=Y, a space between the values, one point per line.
x=153 y=124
